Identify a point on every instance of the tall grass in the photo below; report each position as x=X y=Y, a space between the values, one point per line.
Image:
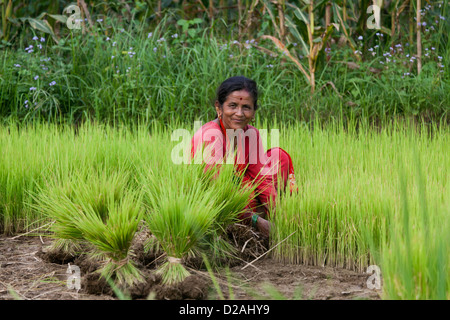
x=349 y=190
x=415 y=262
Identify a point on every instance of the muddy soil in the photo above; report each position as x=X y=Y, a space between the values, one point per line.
x=30 y=270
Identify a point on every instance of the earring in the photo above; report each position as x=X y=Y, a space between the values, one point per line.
x=219 y=116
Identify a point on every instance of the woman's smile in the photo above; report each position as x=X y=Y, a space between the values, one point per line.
x=238 y=110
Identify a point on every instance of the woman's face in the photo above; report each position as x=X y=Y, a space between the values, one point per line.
x=237 y=110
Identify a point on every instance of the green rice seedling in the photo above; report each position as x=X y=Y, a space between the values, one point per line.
x=347 y=185
x=99 y=210
x=60 y=200
x=42 y=152
x=415 y=261
x=112 y=237
x=21 y=168
x=179 y=216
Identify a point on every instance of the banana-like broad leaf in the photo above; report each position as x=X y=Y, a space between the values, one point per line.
x=345 y=27
x=41 y=25
x=301 y=16
x=59 y=17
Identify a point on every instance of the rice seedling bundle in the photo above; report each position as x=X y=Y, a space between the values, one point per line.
x=231 y=196
x=189 y=212
x=178 y=216
x=100 y=210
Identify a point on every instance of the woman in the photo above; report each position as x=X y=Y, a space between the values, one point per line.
x=236 y=104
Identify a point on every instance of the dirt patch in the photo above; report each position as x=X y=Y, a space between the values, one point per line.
x=269 y=279
x=28 y=270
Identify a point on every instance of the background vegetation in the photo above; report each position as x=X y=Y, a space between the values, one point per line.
x=162 y=60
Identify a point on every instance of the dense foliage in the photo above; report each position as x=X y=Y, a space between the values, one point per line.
x=162 y=60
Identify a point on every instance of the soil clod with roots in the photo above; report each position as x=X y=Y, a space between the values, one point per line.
x=29 y=271
x=248 y=243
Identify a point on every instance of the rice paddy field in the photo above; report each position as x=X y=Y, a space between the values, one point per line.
x=94 y=110
x=367 y=197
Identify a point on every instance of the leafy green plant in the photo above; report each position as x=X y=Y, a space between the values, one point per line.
x=190 y=28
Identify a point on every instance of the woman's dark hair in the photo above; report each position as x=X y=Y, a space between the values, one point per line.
x=236 y=84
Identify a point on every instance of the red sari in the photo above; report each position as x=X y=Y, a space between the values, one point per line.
x=261 y=168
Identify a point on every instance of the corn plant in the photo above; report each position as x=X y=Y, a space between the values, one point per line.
x=311 y=48
x=6 y=15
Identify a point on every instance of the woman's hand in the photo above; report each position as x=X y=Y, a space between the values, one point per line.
x=263 y=226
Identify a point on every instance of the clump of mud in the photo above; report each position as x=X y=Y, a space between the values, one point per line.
x=194 y=287
x=62 y=251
